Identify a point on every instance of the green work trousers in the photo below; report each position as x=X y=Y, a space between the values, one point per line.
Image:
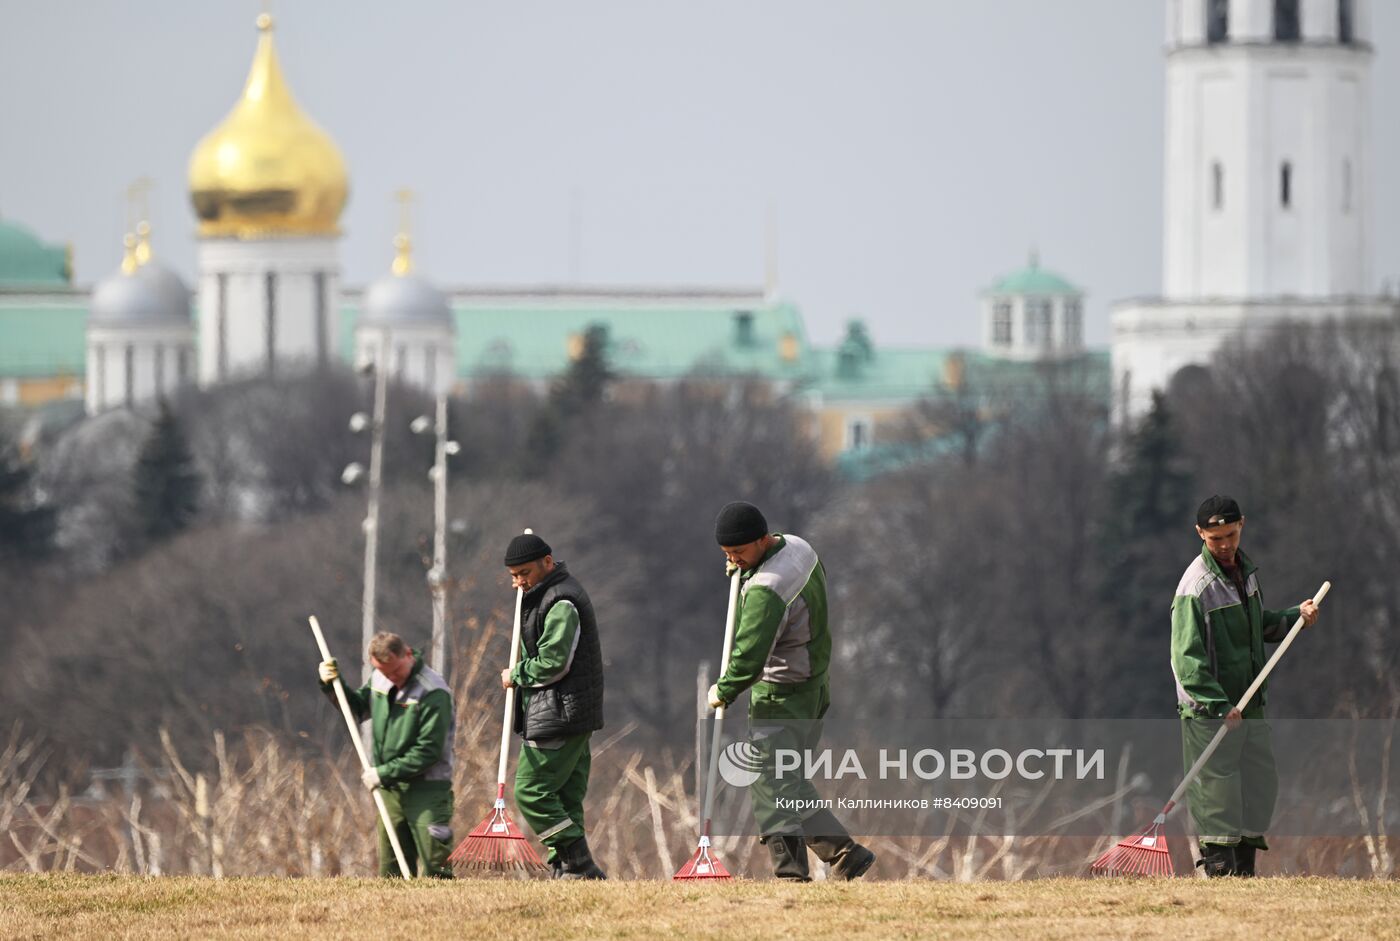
x=788 y=718
x=1232 y=799
x=550 y=785
x=422 y=818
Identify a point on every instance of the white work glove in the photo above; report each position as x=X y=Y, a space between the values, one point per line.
x=730 y=568
x=370 y=778
x=715 y=701
x=328 y=671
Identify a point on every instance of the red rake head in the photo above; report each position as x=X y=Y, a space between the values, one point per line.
x=1143 y=854
x=496 y=844
x=702 y=865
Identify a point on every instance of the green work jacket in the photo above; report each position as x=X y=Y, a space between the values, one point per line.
x=1218 y=637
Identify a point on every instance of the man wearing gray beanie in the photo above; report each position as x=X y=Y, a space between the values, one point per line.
x=782 y=647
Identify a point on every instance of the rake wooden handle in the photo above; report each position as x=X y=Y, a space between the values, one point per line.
x=360 y=750
x=510 y=696
x=1244 y=701
x=713 y=772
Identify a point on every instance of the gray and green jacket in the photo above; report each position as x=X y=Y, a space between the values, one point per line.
x=1218 y=638
x=412 y=726
x=782 y=636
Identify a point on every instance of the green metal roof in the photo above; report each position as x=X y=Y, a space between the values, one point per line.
x=42 y=334
x=993 y=382
x=1032 y=279
x=24 y=260
x=900 y=376
x=530 y=338
x=887 y=375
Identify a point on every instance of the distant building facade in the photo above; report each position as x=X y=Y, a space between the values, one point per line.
x=268 y=186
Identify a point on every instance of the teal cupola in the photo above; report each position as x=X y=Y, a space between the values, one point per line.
x=1032 y=313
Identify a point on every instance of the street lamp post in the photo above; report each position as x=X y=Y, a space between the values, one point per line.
x=375 y=423
x=437 y=575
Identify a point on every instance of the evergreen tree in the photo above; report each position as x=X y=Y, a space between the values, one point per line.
x=26 y=526
x=1144 y=544
x=1152 y=491
x=167 y=482
x=574 y=394
x=586 y=380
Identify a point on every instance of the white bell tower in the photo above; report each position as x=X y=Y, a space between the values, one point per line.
x=1268 y=176
x=1267 y=191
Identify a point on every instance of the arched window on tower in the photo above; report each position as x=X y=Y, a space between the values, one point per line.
x=1001 y=323
x=1346 y=185
x=1074 y=324
x=1285 y=185
x=1217 y=185
x=1217 y=20
x=1346 y=22
x=1287 y=25
x=1040 y=322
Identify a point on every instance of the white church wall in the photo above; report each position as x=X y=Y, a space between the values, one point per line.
x=303 y=316
x=1236 y=116
x=149 y=353
x=420 y=355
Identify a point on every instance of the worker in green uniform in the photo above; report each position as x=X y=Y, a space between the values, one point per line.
x=782 y=648
x=1219 y=627
x=560 y=706
x=411 y=720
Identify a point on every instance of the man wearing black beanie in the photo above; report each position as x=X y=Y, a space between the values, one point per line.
x=1219 y=627
x=560 y=706
x=782 y=647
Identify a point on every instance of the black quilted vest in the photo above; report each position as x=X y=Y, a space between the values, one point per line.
x=574 y=704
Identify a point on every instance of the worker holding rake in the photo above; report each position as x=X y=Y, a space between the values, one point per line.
x=782 y=647
x=1219 y=627
x=560 y=679
x=410 y=711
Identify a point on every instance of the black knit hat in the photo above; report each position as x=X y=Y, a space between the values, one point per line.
x=739 y=524
x=1217 y=511
x=527 y=547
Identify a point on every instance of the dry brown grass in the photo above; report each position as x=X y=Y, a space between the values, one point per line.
x=263 y=809
x=263 y=806
x=50 y=906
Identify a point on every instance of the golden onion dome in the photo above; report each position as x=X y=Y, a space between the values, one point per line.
x=267 y=169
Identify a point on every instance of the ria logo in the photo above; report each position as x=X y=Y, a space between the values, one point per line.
x=740 y=764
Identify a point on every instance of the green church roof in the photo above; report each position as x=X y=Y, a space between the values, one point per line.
x=24 y=260
x=1032 y=279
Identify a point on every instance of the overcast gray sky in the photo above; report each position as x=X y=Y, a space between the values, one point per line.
x=912 y=150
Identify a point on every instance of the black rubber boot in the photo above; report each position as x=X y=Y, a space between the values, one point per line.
x=833 y=845
x=1218 y=859
x=576 y=862
x=1244 y=860
x=789 y=854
